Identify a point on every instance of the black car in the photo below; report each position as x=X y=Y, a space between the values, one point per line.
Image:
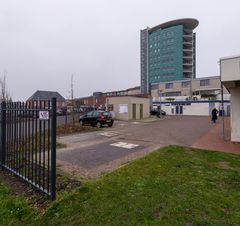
x=157 y=112
x=97 y=118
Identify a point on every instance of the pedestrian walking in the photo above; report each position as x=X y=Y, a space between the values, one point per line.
x=214 y=115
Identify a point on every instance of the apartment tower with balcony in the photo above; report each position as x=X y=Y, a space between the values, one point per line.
x=168 y=52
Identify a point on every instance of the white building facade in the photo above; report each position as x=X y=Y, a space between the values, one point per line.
x=198 y=108
x=230 y=78
x=191 y=97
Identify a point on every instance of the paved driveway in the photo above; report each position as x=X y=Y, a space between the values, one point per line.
x=90 y=154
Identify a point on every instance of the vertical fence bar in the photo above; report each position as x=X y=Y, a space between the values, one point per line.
x=3 y=132
x=23 y=138
x=12 y=136
x=7 y=133
x=6 y=140
x=32 y=143
x=36 y=176
x=48 y=148
x=16 y=136
x=53 y=150
x=44 y=148
x=26 y=149
x=19 y=137
x=40 y=148
x=20 y=149
x=29 y=147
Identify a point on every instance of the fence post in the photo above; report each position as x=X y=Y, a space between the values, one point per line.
x=3 y=133
x=53 y=150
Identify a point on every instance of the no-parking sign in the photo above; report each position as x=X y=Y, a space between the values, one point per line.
x=43 y=115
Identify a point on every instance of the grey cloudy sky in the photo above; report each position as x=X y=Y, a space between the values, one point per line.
x=43 y=42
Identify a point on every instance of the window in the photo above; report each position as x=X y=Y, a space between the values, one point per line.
x=205 y=82
x=95 y=113
x=171 y=94
x=168 y=85
x=196 y=93
x=185 y=84
x=90 y=114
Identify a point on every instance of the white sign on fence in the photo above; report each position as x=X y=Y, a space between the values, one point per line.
x=43 y=115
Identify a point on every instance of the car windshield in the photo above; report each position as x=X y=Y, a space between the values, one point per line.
x=104 y=113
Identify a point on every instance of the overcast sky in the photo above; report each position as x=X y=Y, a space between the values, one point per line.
x=43 y=42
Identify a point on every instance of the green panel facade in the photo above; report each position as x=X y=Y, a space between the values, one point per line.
x=165 y=55
x=168 y=52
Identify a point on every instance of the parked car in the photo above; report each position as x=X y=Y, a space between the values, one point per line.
x=157 y=112
x=97 y=118
x=85 y=109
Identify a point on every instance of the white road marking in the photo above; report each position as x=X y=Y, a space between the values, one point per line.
x=108 y=134
x=136 y=123
x=124 y=145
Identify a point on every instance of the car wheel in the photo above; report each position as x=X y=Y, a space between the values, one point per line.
x=99 y=125
x=110 y=124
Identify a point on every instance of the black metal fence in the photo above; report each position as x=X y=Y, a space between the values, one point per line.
x=28 y=143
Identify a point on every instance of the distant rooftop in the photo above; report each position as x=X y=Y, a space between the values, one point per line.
x=46 y=95
x=230 y=57
x=186 y=22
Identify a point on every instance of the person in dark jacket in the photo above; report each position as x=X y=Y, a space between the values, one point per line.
x=214 y=115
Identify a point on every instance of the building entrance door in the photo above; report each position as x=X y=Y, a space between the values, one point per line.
x=134 y=111
x=141 y=111
x=179 y=110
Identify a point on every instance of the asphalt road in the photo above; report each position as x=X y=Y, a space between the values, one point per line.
x=108 y=148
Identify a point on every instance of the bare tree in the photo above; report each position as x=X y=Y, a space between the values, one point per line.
x=72 y=99
x=4 y=93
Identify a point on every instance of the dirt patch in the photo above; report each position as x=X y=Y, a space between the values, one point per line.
x=224 y=165
x=18 y=188
x=71 y=128
x=67 y=183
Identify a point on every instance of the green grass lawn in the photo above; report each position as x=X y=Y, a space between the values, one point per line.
x=172 y=186
x=12 y=210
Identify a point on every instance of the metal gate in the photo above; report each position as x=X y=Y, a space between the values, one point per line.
x=28 y=143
